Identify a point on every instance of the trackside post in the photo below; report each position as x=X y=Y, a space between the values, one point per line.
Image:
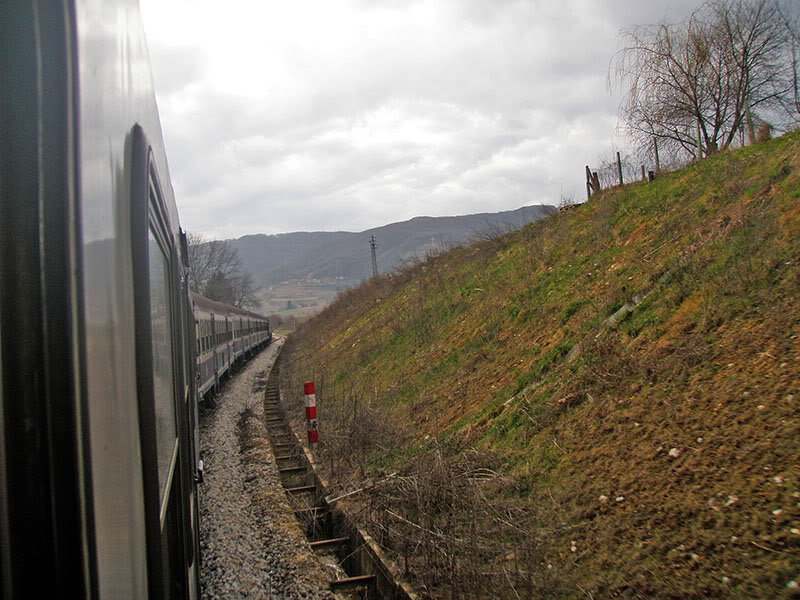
x=311 y=413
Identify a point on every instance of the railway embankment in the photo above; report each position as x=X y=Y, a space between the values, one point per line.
x=603 y=404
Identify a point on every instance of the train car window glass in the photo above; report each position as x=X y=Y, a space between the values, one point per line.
x=161 y=327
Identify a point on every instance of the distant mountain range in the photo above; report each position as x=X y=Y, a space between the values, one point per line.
x=325 y=255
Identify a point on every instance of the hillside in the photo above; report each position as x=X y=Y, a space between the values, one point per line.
x=344 y=255
x=603 y=404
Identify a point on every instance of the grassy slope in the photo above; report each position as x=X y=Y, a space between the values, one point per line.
x=473 y=346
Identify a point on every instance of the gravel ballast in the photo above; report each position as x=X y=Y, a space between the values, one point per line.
x=251 y=544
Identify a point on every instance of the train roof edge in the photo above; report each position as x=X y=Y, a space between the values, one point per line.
x=204 y=303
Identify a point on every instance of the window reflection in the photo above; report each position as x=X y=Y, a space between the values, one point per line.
x=161 y=327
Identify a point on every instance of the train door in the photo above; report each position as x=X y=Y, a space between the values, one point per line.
x=166 y=441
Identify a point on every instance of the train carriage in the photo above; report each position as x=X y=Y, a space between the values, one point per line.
x=226 y=336
x=98 y=423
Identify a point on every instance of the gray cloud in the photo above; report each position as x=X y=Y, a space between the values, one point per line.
x=347 y=115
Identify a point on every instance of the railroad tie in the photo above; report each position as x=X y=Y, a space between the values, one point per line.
x=288 y=470
x=302 y=489
x=317 y=512
x=358 y=582
x=325 y=544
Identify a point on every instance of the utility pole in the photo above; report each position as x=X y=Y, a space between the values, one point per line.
x=373 y=244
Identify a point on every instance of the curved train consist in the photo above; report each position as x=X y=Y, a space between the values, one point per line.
x=103 y=352
x=225 y=335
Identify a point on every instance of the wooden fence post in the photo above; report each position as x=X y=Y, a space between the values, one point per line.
x=619 y=169
x=592 y=183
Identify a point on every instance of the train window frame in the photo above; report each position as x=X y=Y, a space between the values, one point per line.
x=165 y=500
x=154 y=234
x=170 y=451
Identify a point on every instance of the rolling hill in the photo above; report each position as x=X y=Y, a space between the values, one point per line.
x=273 y=259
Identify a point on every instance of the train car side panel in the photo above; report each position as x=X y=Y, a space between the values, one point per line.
x=116 y=95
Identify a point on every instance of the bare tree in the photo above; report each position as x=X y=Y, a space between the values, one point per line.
x=244 y=292
x=696 y=85
x=207 y=258
x=215 y=271
x=219 y=288
x=791 y=19
x=759 y=42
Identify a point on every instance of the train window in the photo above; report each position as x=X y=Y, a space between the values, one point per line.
x=161 y=323
x=158 y=373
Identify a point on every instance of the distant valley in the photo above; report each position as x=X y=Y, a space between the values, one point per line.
x=301 y=272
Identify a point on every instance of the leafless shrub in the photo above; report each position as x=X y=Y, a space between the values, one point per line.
x=566 y=202
x=440 y=523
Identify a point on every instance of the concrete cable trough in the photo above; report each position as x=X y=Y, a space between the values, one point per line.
x=364 y=571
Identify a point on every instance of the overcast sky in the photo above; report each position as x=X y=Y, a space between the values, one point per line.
x=298 y=115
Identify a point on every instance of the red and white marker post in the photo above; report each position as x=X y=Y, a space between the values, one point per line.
x=311 y=413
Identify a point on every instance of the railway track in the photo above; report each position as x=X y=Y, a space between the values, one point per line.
x=322 y=527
